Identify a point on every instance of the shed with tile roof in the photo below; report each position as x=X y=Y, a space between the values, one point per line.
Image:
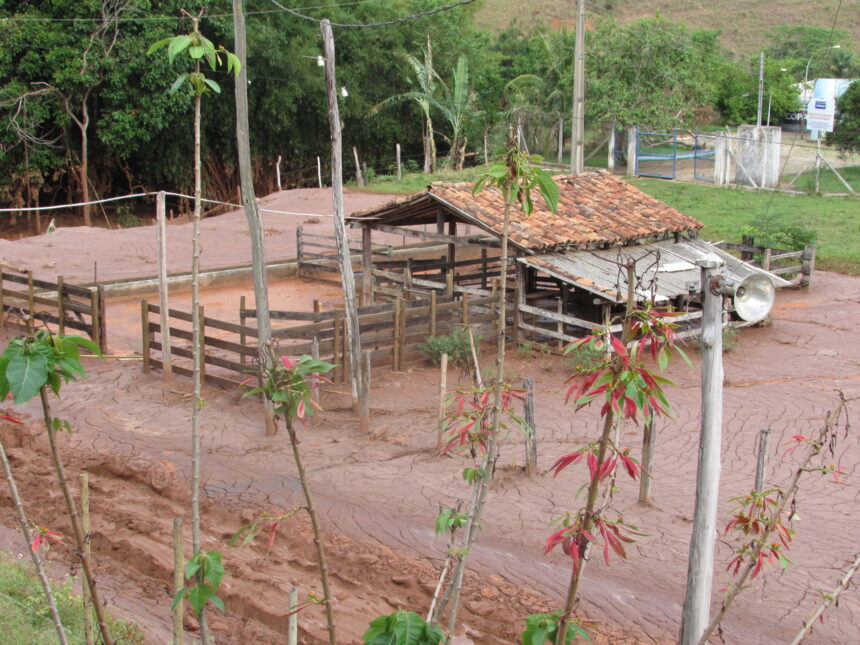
x=567 y=263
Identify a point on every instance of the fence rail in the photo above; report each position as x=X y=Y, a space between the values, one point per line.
x=772 y=260
x=25 y=300
x=390 y=333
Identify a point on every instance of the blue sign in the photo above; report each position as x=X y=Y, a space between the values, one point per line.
x=821 y=105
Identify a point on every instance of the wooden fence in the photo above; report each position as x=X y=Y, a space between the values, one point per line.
x=390 y=332
x=775 y=260
x=319 y=252
x=25 y=300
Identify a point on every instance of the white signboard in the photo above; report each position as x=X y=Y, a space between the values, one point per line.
x=820 y=114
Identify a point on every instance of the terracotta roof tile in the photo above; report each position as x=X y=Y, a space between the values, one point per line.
x=595 y=209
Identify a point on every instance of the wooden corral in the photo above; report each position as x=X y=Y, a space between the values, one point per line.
x=27 y=304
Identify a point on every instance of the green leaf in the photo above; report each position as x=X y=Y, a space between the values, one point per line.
x=234 y=65
x=434 y=634
x=548 y=188
x=215 y=87
x=213 y=567
x=198 y=595
x=155 y=46
x=215 y=600
x=192 y=567
x=26 y=374
x=196 y=51
x=178 y=44
x=683 y=355
x=378 y=627
x=178 y=82
x=179 y=597
x=443 y=522
x=663 y=358
x=408 y=628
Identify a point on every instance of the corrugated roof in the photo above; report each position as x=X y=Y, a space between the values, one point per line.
x=596 y=209
x=669 y=265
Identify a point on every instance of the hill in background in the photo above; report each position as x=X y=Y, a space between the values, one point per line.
x=743 y=24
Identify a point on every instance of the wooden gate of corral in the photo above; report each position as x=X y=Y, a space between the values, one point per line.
x=27 y=303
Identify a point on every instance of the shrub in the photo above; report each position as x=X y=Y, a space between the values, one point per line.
x=584 y=358
x=456 y=345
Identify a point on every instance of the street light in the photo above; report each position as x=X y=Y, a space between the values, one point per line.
x=806 y=83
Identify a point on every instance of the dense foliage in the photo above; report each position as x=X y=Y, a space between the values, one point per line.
x=846 y=133
x=79 y=96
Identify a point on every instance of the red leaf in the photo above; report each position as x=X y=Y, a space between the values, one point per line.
x=8 y=418
x=566 y=460
x=618 y=346
x=630 y=466
x=592 y=465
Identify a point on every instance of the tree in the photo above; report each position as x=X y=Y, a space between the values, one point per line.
x=653 y=72
x=424 y=79
x=457 y=105
x=738 y=92
x=801 y=45
x=846 y=130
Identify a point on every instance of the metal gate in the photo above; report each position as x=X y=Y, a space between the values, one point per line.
x=656 y=154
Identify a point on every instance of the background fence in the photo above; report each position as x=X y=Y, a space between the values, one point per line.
x=26 y=301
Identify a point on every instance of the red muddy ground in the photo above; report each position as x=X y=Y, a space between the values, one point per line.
x=380 y=493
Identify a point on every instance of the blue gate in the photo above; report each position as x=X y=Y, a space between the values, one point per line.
x=656 y=154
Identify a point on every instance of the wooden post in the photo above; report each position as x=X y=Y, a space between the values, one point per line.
x=358 y=176
x=347 y=359
x=449 y=284
x=765 y=263
x=293 y=625
x=433 y=313
x=818 y=164
x=747 y=240
x=530 y=430
x=517 y=317
x=397 y=156
x=278 y=172
x=452 y=248
x=395 y=338
x=178 y=579
x=299 y=248
x=202 y=345
x=364 y=397
x=61 y=305
x=648 y=437
x=102 y=319
x=464 y=316
x=443 y=390
x=163 y=292
x=367 y=265
x=761 y=461
x=337 y=358
x=85 y=528
x=700 y=571
x=145 y=336
x=242 y=320
x=319 y=173
x=31 y=324
x=560 y=325
x=808 y=266
x=483 y=268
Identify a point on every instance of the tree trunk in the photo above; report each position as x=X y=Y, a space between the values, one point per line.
x=252 y=210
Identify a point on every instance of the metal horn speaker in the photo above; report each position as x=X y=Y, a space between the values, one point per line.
x=754 y=297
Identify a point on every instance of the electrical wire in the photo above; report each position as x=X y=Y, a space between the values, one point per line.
x=384 y=23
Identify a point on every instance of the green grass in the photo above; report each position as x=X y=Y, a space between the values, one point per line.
x=727 y=211
x=25 y=616
x=829 y=182
x=414 y=182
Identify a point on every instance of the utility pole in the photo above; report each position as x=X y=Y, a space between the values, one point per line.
x=252 y=210
x=577 y=140
x=347 y=278
x=760 y=87
x=700 y=569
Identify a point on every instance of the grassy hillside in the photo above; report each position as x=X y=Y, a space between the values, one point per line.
x=742 y=23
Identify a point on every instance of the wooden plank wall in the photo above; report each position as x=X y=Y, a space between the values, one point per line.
x=27 y=304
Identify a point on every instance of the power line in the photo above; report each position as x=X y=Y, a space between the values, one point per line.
x=383 y=23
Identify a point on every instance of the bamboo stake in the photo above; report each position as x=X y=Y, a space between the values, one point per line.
x=30 y=305
x=648 y=437
x=85 y=526
x=145 y=335
x=163 y=295
x=61 y=306
x=530 y=431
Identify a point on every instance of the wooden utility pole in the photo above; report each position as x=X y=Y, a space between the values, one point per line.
x=344 y=259
x=700 y=569
x=577 y=142
x=252 y=210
